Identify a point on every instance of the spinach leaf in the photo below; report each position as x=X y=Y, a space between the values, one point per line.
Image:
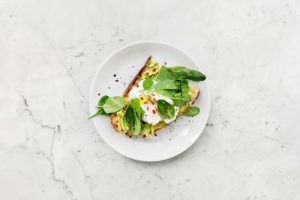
x=180 y=97
x=147 y=84
x=185 y=96
x=165 y=109
x=165 y=74
x=185 y=73
x=102 y=100
x=192 y=111
x=173 y=94
x=135 y=104
x=172 y=82
x=113 y=104
x=133 y=117
x=129 y=118
x=100 y=111
x=168 y=85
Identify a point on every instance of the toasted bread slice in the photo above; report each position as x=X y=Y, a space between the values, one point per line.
x=150 y=68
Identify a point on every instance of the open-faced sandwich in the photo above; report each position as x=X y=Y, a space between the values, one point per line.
x=157 y=96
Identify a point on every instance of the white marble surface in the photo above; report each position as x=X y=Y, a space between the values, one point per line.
x=50 y=50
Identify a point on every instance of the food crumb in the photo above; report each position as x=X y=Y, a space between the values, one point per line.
x=116 y=80
x=98 y=94
x=155 y=134
x=115 y=75
x=210 y=124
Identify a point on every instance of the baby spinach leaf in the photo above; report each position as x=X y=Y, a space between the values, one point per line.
x=113 y=104
x=173 y=94
x=100 y=111
x=147 y=84
x=185 y=91
x=165 y=74
x=129 y=118
x=184 y=96
x=101 y=103
x=165 y=109
x=180 y=97
x=102 y=100
x=133 y=117
x=185 y=73
x=192 y=111
x=168 y=85
x=135 y=104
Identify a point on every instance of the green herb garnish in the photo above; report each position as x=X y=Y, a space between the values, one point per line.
x=147 y=84
x=108 y=105
x=165 y=109
x=165 y=74
x=133 y=117
x=113 y=104
x=168 y=85
x=185 y=73
x=180 y=96
x=100 y=111
x=184 y=96
x=192 y=111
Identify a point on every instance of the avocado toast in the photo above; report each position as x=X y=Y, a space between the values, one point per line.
x=157 y=96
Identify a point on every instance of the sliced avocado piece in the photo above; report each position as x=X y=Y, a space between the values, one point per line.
x=147 y=130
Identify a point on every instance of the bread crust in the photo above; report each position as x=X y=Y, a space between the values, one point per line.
x=137 y=76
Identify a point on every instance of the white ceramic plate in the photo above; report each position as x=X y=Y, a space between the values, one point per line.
x=125 y=64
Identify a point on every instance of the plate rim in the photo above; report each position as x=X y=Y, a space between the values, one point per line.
x=171 y=155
